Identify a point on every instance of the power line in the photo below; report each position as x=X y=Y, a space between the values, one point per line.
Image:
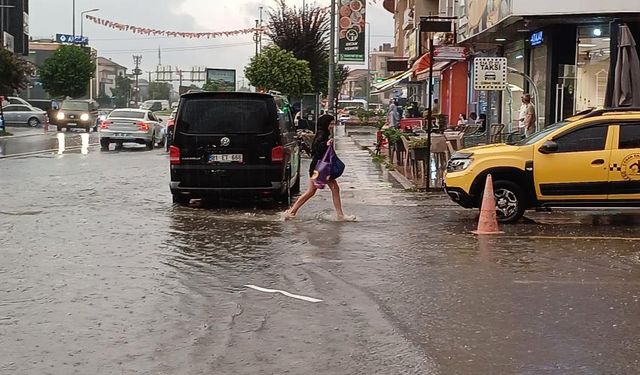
x=176 y=49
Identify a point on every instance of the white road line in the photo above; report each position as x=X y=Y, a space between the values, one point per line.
x=304 y=298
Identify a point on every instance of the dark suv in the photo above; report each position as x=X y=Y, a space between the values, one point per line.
x=234 y=142
x=77 y=114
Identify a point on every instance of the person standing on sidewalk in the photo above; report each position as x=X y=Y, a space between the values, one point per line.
x=527 y=116
x=393 y=116
x=321 y=142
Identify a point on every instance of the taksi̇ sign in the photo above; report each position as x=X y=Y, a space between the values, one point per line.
x=490 y=73
x=351 y=44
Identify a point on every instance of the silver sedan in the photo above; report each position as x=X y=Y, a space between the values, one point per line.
x=131 y=125
x=18 y=114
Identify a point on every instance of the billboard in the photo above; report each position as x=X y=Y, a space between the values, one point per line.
x=351 y=28
x=476 y=16
x=225 y=79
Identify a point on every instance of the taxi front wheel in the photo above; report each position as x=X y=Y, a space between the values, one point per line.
x=510 y=205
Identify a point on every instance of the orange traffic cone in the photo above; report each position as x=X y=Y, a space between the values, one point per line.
x=488 y=223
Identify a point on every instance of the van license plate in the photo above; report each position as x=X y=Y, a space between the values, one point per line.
x=225 y=158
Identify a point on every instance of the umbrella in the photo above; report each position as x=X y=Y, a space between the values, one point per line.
x=626 y=86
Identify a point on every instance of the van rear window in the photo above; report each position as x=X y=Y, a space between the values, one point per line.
x=224 y=116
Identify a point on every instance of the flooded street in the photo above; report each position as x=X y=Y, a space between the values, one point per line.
x=102 y=274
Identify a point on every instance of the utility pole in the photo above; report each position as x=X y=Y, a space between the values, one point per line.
x=332 y=59
x=136 y=60
x=260 y=31
x=74 y=18
x=159 y=57
x=256 y=38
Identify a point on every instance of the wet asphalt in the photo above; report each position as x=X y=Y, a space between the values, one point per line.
x=101 y=274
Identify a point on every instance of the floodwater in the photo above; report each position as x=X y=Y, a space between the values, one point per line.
x=101 y=274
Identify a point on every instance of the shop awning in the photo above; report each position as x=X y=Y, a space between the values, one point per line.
x=390 y=82
x=438 y=67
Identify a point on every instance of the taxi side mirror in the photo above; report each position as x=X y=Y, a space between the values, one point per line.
x=549 y=147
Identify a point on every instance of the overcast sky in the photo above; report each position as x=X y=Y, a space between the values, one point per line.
x=48 y=17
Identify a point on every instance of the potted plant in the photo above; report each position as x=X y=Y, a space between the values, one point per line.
x=393 y=138
x=418 y=148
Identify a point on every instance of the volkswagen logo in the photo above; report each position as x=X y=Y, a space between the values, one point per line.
x=225 y=142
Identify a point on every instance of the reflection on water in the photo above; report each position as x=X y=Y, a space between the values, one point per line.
x=224 y=238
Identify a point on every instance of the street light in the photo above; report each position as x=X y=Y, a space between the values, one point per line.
x=82 y=19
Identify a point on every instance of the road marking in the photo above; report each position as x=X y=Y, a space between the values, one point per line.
x=573 y=238
x=304 y=298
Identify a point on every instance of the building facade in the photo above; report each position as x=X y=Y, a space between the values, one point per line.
x=108 y=70
x=563 y=48
x=559 y=51
x=14 y=26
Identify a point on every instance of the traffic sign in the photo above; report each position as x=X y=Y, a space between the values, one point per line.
x=70 y=39
x=490 y=73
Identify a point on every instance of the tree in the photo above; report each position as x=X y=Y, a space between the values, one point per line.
x=159 y=91
x=120 y=93
x=211 y=86
x=15 y=73
x=67 y=72
x=277 y=69
x=304 y=32
x=341 y=75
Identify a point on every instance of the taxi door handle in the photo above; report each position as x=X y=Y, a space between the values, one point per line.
x=597 y=162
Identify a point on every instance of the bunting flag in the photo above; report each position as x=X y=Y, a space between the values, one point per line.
x=175 y=34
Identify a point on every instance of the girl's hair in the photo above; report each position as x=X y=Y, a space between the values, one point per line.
x=463 y=116
x=324 y=121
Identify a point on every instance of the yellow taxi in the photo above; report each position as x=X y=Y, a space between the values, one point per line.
x=587 y=161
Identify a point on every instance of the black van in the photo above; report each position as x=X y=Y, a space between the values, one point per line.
x=234 y=142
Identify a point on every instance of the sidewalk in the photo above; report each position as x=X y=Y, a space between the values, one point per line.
x=23 y=131
x=365 y=139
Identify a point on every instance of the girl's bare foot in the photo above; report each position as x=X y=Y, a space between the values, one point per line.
x=347 y=218
x=287 y=215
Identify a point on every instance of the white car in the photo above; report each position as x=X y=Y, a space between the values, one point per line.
x=131 y=125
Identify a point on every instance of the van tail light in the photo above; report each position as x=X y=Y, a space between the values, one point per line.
x=142 y=126
x=174 y=155
x=277 y=154
x=105 y=124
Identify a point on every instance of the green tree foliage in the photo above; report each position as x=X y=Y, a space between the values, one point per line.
x=305 y=33
x=15 y=73
x=341 y=75
x=211 y=86
x=120 y=93
x=277 y=69
x=67 y=72
x=159 y=91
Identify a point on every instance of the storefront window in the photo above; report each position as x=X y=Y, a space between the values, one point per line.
x=592 y=66
x=511 y=101
x=539 y=77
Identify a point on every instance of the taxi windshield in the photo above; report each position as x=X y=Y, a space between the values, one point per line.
x=535 y=137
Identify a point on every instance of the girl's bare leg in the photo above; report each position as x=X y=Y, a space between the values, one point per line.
x=335 y=194
x=311 y=191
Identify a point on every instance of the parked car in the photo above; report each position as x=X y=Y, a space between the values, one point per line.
x=234 y=143
x=14 y=100
x=131 y=125
x=19 y=114
x=169 y=129
x=587 y=161
x=77 y=114
x=156 y=105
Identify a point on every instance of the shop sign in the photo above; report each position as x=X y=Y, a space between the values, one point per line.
x=70 y=39
x=351 y=28
x=413 y=45
x=490 y=73
x=536 y=38
x=450 y=53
